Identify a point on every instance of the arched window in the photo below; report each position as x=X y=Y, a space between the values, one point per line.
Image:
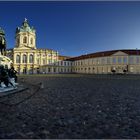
x=31 y=58
x=25 y=39
x=24 y=59
x=17 y=41
x=17 y=59
x=24 y=70
x=31 y=41
x=43 y=61
x=37 y=60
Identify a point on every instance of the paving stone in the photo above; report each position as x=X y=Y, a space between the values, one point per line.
x=74 y=107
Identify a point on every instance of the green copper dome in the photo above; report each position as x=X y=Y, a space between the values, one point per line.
x=2 y=31
x=25 y=27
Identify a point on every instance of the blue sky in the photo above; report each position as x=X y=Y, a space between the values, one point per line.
x=75 y=28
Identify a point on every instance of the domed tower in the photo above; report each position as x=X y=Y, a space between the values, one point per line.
x=25 y=36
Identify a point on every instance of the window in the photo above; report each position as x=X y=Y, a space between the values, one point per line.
x=119 y=60
x=17 y=41
x=17 y=59
x=131 y=60
x=125 y=60
x=114 y=60
x=31 y=58
x=78 y=63
x=43 y=61
x=108 y=60
x=24 y=70
x=103 y=61
x=25 y=39
x=49 y=61
x=54 y=69
x=37 y=61
x=92 y=61
x=24 y=60
x=137 y=60
x=49 y=69
x=31 y=71
x=49 y=55
x=31 y=41
x=97 y=60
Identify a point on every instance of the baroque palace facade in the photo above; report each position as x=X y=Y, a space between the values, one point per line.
x=115 y=61
x=27 y=59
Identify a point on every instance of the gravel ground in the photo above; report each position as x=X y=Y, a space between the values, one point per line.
x=73 y=106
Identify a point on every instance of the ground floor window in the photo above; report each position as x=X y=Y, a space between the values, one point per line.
x=38 y=71
x=31 y=71
x=24 y=71
x=49 y=69
x=54 y=70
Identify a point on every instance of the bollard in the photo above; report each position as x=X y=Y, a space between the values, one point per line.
x=41 y=85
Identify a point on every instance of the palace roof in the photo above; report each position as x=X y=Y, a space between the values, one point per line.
x=25 y=27
x=105 y=53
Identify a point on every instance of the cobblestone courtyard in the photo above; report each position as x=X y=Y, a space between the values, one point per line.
x=73 y=106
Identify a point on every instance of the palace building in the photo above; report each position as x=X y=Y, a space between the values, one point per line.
x=27 y=59
x=115 y=61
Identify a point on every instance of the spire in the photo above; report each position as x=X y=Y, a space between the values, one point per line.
x=25 y=23
x=25 y=19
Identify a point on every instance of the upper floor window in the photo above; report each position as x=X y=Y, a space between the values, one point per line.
x=43 y=61
x=78 y=63
x=37 y=60
x=24 y=59
x=103 y=60
x=17 y=59
x=17 y=41
x=137 y=60
x=31 y=58
x=119 y=60
x=25 y=39
x=125 y=60
x=114 y=60
x=31 y=41
x=97 y=60
x=131 y=60
x=49 y=61
x=108 y=60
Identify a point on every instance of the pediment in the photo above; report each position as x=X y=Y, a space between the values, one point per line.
x=119 y=53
